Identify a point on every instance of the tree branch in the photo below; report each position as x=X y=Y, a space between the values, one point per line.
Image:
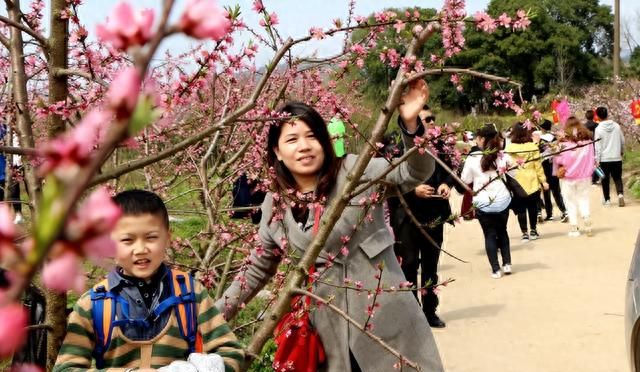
x=84 y=74
x=360 y=327
x=41 y=39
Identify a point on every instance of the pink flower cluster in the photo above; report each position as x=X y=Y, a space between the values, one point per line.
x=126 y=28
x=12 y=328
x=488 y=24
x=452 y=19
x=86 y=235
x=204 y=19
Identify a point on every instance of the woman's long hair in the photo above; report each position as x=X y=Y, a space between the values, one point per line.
x=574 y=131
x=492 y=147
x=520 y=133
x=329 y=170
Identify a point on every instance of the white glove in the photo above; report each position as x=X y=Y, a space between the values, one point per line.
x=207 y=362
x=179 y=366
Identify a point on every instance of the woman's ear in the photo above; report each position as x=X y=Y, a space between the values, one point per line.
x=276 y=151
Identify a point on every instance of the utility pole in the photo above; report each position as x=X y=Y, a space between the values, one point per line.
x=616 y=39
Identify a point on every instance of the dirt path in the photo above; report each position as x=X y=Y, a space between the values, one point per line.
x=561 y=310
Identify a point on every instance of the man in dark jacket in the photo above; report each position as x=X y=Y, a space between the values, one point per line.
x=429 y=203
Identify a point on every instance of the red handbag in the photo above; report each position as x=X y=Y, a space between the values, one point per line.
x=299 y=347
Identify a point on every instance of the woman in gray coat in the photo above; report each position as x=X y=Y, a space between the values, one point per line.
x=303 y=159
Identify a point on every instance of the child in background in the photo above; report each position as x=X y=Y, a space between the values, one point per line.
x=151 y=304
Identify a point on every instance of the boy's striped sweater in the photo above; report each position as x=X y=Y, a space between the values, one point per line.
x=166 y=347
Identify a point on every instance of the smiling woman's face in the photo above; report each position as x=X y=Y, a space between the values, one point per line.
x=300 y=151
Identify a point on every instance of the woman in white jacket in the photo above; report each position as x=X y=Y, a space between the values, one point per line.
x=491 y=196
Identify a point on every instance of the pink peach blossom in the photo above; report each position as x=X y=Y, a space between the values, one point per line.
x=125 y=28
x=64 y=273
x=12 y=328
x=97 y=215
x=64 y=155
x=123 y=92
x=258 y=6
x=204 y=19
x=7 y=228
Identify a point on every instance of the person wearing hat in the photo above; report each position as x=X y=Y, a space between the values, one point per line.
x=429 y=204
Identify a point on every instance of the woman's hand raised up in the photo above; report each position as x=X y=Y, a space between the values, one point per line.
x=412 y=102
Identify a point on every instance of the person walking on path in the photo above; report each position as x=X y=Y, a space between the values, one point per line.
x=492 y=197
x=547 y=140
x=591 y=125
x=301 y=154
x=429 y=204
x=609 y=152
x=530 y=175
x=575 y=164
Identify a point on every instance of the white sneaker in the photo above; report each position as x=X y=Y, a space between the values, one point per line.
x=507 y=269
x=18 y=218
x=496 y=275
x=606 y=203
x=588 y=229
x=620 y=200
x=573 y=231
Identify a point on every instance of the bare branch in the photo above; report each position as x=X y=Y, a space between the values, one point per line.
x=42 y=41
x=84 y=74
x=360 y=327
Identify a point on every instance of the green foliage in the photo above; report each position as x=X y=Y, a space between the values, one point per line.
x=631 y=165
x=565 y=47
x=187 y=228
x=265 y=361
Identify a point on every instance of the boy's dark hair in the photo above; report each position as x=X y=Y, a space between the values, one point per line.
x=602 y=112
x=589 y=115
x=546 y=124
x=136 y=202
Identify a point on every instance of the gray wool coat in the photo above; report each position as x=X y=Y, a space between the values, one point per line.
x=398 y=320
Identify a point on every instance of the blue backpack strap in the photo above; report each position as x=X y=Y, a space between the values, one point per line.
x=103 y=313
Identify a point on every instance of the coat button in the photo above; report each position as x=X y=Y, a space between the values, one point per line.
x=146 y=295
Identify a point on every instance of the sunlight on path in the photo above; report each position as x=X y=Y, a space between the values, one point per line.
x=561 y=310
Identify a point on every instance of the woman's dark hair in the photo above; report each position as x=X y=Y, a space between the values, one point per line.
x=331 y=164
x=546 y=124
x=492 y=146
x=487 y=131
x=575 y=131
x=520 y=133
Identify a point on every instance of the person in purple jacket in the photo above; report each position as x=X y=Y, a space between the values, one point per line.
x=575 y=165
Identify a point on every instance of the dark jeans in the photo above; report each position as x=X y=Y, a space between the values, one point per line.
x=415 y=249
x=611 y=169
x=14 y=194
x=494 y=228
x=554 y=188
x=527 y=205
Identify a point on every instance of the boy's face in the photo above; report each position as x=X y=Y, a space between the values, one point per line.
x=141 y=241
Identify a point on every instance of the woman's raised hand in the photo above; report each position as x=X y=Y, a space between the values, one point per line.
x=412 y=102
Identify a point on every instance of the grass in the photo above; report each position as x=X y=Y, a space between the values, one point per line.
x=631 y=165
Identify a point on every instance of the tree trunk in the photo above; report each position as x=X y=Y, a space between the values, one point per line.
x=20 y=97
x=56 y=314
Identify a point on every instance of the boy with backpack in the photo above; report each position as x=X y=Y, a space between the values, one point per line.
x=146 y=315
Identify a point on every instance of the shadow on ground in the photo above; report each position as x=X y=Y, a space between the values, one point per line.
x=482 y=311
